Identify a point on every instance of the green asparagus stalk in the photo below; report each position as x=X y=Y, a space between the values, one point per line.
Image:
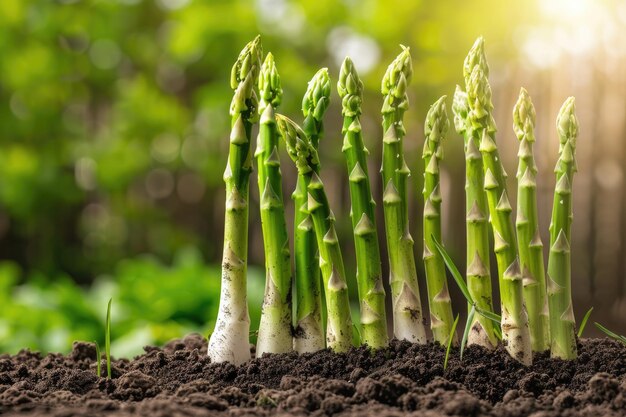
x=369 y=273
x=407 y=309
x=229 y=342
x=515 y=332
x=309 y=331
x=275 y=326
x=563 y=338
x=477 y=229
x=339 y=324
x=435 y=130
x=528 y=238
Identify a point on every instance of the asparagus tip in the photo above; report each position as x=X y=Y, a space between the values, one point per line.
x=349 y=81
x=269 y=82
x=350 y=89
x=437 y=123
x=566 y=122
x=347 y=64
x=317 y=95
x=479 y=92
x=475 y=57
x=248 y=61
x=298 y=146
x=398 y=74
x=524 y=117
x=460 y=109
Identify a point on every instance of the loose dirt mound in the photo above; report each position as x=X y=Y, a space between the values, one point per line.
x=405 y=379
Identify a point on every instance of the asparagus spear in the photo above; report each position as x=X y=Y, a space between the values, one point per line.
x=407 y=309
x=528 y=238
x=275 y=326
x=229 y=341
x=515 y=333
x=435 y=129
x=563 y=338
x=314 y=105
x=477 y=229
x=369 y=273
x=339 y=325
x=309 y=332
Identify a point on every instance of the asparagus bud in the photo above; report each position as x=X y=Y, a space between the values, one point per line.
x=301 y=151
x=309 y=333
x=229 y=341
x=563 y=338
x=515 y=332
x=314 y=105
x=528 y=238
x=477 y=229
x=407 y=309
x=369 y=273
x=275 y=326
x=435 y=130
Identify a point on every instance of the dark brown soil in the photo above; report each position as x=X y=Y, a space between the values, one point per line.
x=405 y=379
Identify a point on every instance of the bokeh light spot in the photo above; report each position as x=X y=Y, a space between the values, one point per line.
x=85 y=173
x=363 y=50
x=172 y=4
x=159 y=183
x=165 y=148
x=608 y=174
x=105 y=54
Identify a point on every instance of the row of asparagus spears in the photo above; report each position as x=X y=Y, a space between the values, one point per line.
x=536 y=310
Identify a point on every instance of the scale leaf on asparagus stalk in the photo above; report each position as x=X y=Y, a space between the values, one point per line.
x=369 y=273
x=275 y=335
x=562 y=334
x=229 y=341
x=309 y=331
x=339 y=321
x=441 y=318
x=528 y=238
x=478 y=274
x=407 y=310
x=515 y=332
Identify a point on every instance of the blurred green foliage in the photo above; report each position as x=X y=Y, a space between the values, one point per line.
x=114 y=112
x=113 y=136
x=152 y=303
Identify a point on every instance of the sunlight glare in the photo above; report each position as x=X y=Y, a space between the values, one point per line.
x=573 y=28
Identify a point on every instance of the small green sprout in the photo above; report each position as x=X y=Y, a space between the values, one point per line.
x=611 y=334
x=583 y=323
x=107 y=340
x=357 y=338
x=450 y=340
x=458 y=278
x=468 y=328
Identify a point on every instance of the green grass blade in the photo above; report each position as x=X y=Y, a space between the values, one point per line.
x=450 y=339
x=107 y=339
x=496 y=318
x=98 y=367
x=458 y=278
x=611 y=334
x=356 y=335
x=468 y=328
x=583 y=323
x=453 y=270
x=498 y=332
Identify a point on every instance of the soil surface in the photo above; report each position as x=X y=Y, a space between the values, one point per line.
x=403 y=380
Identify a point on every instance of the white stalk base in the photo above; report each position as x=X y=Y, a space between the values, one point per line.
x=230 y=341
x=309 y=336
